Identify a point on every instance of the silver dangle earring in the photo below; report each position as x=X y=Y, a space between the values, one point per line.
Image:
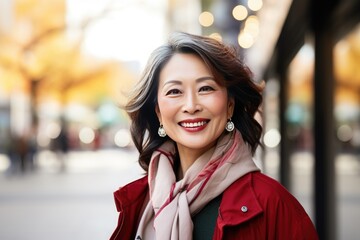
x=161 y=131
x=230 y=126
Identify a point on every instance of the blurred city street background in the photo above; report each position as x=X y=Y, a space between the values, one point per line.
x=67 y=65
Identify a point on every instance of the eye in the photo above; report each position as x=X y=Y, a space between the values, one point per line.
x=206 y=89
x=173 y=92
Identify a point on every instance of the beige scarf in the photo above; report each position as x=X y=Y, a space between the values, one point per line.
x=168 y=215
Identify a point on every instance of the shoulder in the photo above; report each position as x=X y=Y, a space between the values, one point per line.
x=269 y=190
x=131 y=192
x=260 y=184
x=273 y=198
x=267 y=186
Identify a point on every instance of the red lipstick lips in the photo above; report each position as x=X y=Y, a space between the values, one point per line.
x=194 y=125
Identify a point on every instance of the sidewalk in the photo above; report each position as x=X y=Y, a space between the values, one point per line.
x=75 y=204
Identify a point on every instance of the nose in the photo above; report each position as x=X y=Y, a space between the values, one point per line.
x=191 y=104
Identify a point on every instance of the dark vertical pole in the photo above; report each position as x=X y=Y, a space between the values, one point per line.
x=285 y=167
x=325 y=206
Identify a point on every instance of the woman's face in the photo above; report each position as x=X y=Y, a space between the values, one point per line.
x=192 y=106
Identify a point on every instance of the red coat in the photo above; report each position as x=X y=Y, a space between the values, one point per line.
x=253 y=207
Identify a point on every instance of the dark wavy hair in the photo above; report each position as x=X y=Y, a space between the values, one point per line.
x=228 y=70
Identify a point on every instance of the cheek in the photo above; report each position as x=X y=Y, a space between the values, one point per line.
x=219 y=105
x=166 y=108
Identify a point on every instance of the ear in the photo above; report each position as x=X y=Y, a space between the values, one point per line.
x=231 y=106
x=157 y=111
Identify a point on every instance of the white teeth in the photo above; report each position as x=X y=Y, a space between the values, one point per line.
x=189 y=125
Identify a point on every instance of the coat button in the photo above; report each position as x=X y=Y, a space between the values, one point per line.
x=244 y=209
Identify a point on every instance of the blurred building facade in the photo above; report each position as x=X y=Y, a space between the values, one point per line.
x=319 y=101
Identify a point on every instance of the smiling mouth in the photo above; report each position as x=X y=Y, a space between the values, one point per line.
x=193 y=124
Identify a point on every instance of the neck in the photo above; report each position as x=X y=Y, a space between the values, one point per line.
x=187 y=157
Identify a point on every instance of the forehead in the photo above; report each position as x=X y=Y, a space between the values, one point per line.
x=182 y=66
x=185 y=63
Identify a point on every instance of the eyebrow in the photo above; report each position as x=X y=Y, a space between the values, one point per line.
x=198 y=80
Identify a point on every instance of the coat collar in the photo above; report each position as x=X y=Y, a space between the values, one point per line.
x=239 y=203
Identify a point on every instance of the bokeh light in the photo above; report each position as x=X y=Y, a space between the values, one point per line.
x=345 y=133
x=255 y=5
x=216 y=36
x=122 y=138
x=252 y=25
x=206 y=19
x=86 y=135
x=53 y=130
x=272 y=138
x=245 y=40
x=240 y=12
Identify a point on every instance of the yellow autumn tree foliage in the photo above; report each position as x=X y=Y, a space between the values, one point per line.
x=38 y=56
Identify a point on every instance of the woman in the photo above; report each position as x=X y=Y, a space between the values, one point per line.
x=193 y=124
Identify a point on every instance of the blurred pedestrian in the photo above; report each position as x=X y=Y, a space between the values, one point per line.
x=17 y=150
x=193 y=124
x=61 y=144
x=32 y=148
